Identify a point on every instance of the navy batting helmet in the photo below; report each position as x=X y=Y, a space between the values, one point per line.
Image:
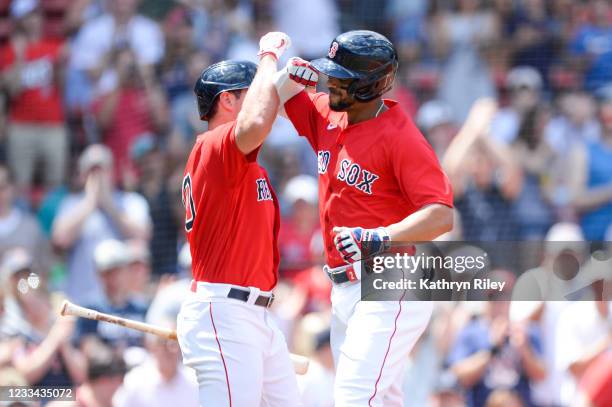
x=366 y=57
x=221 y=77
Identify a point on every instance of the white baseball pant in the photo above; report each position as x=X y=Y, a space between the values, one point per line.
x=239 y=355
x=371 y=343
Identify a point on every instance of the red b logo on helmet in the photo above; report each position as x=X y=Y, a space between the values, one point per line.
x=332 y=50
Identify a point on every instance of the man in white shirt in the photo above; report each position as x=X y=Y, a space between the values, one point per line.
x=99 y=212
x=160 y=381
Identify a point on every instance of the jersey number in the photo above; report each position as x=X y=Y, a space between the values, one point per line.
x=187 y=196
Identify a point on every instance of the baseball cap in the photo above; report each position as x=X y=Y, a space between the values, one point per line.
x=524 y=77
x=15 y=260
x=138 y=251
x=434 y=113
x=95 y=155
x=143 y=145
x=302 y=187
x=565 y=236
x=110 y=254
x=21 y=8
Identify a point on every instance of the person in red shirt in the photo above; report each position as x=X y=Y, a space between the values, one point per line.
x=30 y=73
x=379 y=181
x=232 y=219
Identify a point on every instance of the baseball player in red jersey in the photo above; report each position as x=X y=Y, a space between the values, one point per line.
x=231 y=218
x=379 y=181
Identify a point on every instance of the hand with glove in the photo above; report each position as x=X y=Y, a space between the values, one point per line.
x=301 y=72
x=274 y=43
x=355 y=244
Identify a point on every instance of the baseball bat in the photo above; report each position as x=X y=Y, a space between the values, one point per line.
x=300 y=363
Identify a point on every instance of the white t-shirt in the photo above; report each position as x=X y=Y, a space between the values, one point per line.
x=317 y=386
x=580 y=327
x=144 y=387
x=98 y=37
x=82 y=284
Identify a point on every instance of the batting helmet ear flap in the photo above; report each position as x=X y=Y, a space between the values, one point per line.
x=375 y=84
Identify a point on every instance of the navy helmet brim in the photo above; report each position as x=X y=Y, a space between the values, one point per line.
x=332 y=69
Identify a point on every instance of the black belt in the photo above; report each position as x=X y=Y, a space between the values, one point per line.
x=243 y=295
x=342 y=276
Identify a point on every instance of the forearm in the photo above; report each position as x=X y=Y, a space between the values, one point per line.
x=592 y=198
x=580 y=366
x=423 y=225
x=75 y=362
x=106 y=115
x=68 y=227
x=128 y=228
x=534 y=367
x=259 y=108
x=36 y=364
x=470 y=370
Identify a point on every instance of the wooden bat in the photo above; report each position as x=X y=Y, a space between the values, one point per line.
x=300 y=363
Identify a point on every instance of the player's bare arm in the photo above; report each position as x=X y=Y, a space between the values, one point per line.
x=261 y=102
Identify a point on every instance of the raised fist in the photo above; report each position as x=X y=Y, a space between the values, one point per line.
x=301 y=72
x=274 y=43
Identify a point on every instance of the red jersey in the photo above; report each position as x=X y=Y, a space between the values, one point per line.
x=40 y=98
x=231 y=213
x=373 y=173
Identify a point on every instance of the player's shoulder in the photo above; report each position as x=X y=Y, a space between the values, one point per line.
x=398 y=125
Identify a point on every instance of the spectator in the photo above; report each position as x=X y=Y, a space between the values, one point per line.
x=301 y=194
x=583 y=335
x=105 y=372
x=591 y=47
x=459 y=38
x=185 y=119
x=170 y=292
x=20 y=229
x=435 y=119
x=31 y=71
x=161 y=380
x=42 y=351
x=532 y=209
x=485 y=184
x=98 y=212
x=490 y=354
x=112 y=259
x=140 y=271
x=504 y=398
x=309 y=24
x=136 y=106
x=152 y=165
x=591 y=178
x=534 y=37
x=525 y=84
x=101 y=38
x=316 y=386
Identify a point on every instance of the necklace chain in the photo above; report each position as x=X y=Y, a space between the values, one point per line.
x=382 y=104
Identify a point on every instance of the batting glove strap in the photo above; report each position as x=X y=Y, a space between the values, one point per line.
x=358 y=243
x=274 y=43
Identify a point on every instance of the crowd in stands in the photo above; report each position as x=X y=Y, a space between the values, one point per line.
x=97 y=117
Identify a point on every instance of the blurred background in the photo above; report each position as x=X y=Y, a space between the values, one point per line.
x=97 y=119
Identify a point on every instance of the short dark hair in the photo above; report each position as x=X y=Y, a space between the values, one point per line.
x=215 y=107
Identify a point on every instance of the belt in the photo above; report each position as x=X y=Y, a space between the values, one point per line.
x=341 y=275
x=243 y=295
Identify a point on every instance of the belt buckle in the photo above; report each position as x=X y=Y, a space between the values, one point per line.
x=270 y=300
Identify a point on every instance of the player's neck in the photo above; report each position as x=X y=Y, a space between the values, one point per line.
x=361 y=112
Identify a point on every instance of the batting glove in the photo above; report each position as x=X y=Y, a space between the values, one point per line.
x=274 y=43
x=301 y=72
x=355 y=244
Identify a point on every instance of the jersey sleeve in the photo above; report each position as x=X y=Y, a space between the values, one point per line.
x=419 y=174
x=306 y=111
x=227 y=160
